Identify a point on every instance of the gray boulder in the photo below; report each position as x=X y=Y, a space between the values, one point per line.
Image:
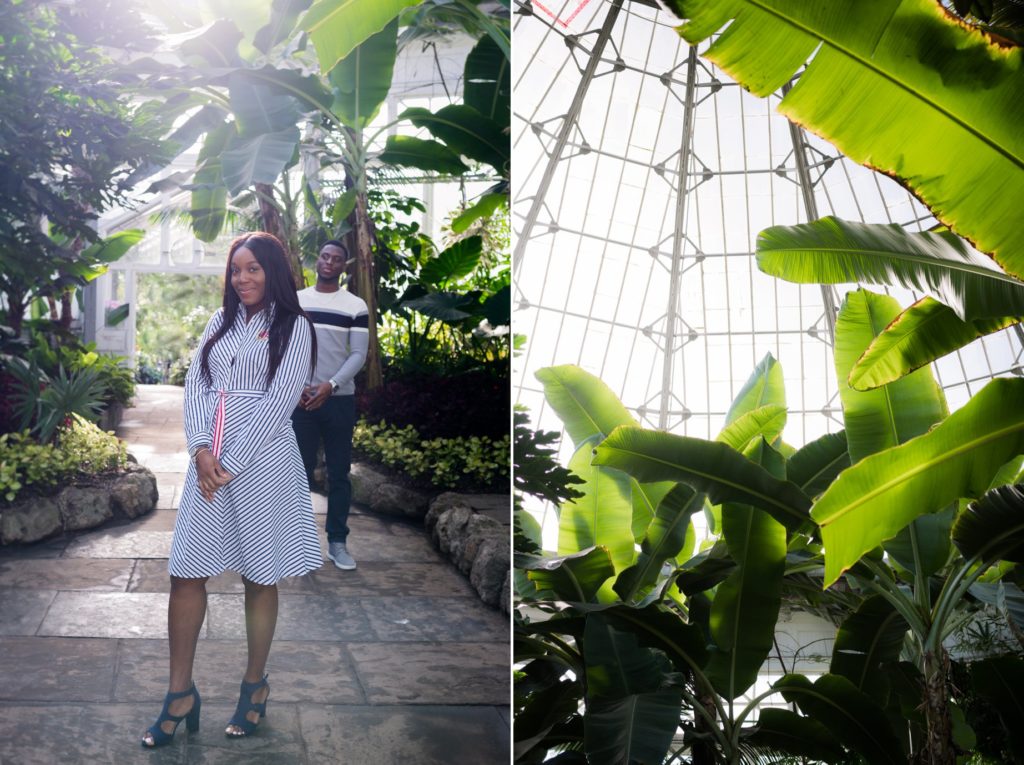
x=134 y=493
x=391 y=499
x=29 y=520
x=82 y=507
x=365 y=482
x=490 y=571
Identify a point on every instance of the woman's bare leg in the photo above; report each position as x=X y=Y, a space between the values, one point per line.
x=260 y=622
x=186 y=611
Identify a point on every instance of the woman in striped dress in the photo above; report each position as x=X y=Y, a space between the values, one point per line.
x=245 y=506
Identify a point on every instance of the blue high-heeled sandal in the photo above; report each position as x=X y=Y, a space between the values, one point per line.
x=247 y=705
x=191 y=718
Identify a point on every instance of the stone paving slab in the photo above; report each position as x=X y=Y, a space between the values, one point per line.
x=372 y=578
x=56 y=669
x=106 y=615
x=300 y=617
x=415 y=735
x=158 y=520
x=111 y=574
x=320 y=673
x=416 y=619
x=50 y=548
x=280 y=741
x=22 y=611
x=121 y=542
x=417 y=673
x=79 y=733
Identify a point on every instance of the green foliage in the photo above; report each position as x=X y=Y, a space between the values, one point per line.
x=433 y=301
x=69 y=143
x=450 y=463
x=535 y=470
x=46 y=403
x=887 y=696
x=172 y=311
x=83 y=449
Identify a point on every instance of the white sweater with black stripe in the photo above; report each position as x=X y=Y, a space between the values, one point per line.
x=342 y=335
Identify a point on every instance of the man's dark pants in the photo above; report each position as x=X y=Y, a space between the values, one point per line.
x=333 y=422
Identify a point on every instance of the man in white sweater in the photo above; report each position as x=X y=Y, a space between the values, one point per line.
x=327 y=409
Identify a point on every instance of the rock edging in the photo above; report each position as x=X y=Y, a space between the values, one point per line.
x=472 y=530
x=83 y=505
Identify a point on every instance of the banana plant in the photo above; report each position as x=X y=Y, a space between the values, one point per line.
x=910 y=507
x=899 y=85
x=692 y=630
x=969 y=296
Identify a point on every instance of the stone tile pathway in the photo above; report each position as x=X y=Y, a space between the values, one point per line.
x=395 y=662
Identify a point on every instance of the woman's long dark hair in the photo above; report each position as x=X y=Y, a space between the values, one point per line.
x=279 y=301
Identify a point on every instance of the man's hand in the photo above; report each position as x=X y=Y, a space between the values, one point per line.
x=315 y=396
x=211 y=474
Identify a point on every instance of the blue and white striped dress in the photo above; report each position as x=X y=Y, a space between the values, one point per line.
x=261 y=523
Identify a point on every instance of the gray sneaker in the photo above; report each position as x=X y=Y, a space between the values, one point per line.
x=337 y=552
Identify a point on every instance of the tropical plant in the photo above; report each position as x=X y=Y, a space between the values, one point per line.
x=626 y=634
x=969 y=296
x=83 y=449
x=254 y=86
x=954 y=123
x=47 y=403
x=69 y=144
x=949 y=92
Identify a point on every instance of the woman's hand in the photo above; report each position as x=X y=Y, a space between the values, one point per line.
x=211 y=474
x=315 y=396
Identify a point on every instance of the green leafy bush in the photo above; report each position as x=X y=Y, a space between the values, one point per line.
x=450 y=463
x=82 y=449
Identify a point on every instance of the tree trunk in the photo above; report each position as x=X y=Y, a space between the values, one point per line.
x=365 y=286
x=15 y=310
x=65 y=310
x=939 y=738
x=272 y=223
x=703 y=750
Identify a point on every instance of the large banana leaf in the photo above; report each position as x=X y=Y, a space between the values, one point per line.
x=488 y=81
x=897 y=85
x=336 y=27
x=362 y=79
x=589 y=409
x=260 y=159
x=209 y=194
x=869 y=637
x=586 y=406
x=467 y=132
x=657 y=626
x=409 y=151
x=993 y=526
x=882 y=418
x=714 y=468
x=631 y=716
x=746 y=605
x=764 y=387
x=854 y=719
x=764 y=422
x=573 y=578
x=872 y=500
x=834 y=251
x=878 y=419
x=815 y=465
x=666 y=537
x=786 y=731
x=602 y=515
x=924 y=332
x=260 y=109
